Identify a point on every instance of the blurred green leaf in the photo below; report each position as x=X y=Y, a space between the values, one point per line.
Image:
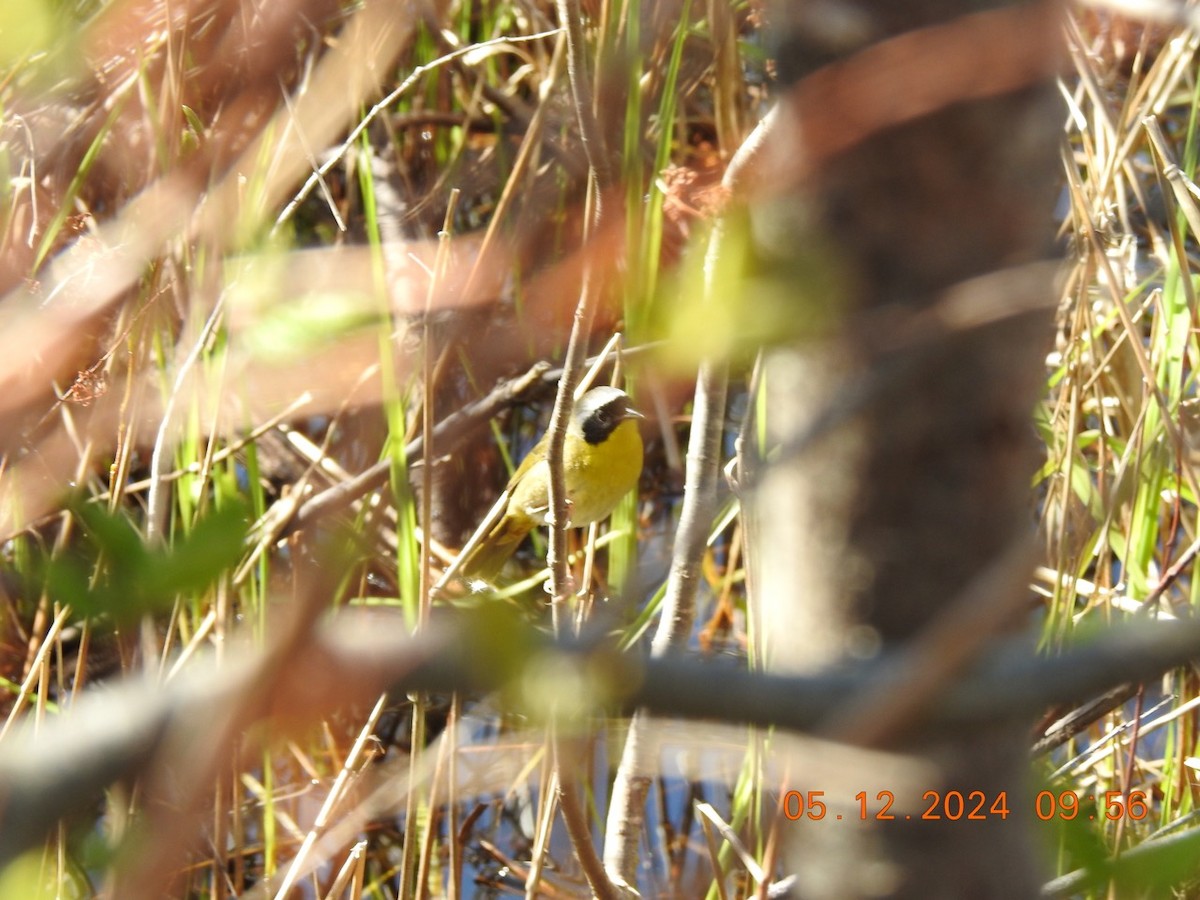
x=112 y=534
x=752 y=301
x=1159 y=865
x=290 y=330
x=25 y=29
x=111 y=571
x=193 y=563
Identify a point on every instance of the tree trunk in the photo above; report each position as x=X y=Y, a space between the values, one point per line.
x=927 y=156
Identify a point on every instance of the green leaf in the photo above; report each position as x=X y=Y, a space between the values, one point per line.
x=111 y=571
x=196 y=561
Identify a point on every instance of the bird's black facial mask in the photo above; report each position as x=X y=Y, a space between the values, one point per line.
x=598 y=424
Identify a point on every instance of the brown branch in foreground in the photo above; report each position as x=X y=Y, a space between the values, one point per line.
x=201 y=747
x=935 y=655
x=912 y=75
x=925 y=160
x=120 y=731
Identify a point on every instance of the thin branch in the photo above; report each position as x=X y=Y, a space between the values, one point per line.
x=446 y=433
x=156 y=508
x=574 y=816
x=626 y=811
x=570 y=17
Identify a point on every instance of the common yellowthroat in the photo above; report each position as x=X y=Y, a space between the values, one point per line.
x=602 y=459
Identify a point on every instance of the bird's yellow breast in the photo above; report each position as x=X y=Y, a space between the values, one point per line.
x=597 y=477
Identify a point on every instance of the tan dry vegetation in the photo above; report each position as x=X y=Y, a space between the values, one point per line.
x=228 y=276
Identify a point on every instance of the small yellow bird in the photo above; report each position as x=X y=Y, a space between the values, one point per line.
x=602 y=459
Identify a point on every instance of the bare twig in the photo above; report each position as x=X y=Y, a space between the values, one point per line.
x=156 y=512
x=574 y=816
x=449 y=430
x=627 y=805
x=571 y=19
x=526 y=160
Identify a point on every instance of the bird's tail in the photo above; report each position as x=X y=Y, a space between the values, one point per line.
x=488 y=557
